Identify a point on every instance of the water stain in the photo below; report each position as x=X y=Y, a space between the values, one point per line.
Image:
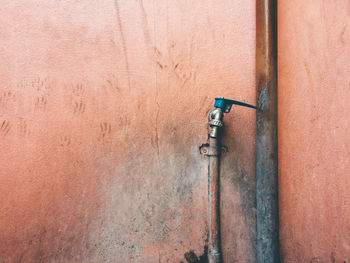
x=191 y=257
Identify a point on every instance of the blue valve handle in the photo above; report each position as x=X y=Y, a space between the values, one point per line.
x=226 y=104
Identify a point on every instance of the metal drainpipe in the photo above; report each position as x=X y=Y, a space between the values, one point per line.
x=266 y=132
x=213 y=150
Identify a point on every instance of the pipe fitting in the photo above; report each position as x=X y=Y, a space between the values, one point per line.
x=216 y=123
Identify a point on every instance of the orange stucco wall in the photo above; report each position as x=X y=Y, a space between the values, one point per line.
x=103 y=105
x=314 y=130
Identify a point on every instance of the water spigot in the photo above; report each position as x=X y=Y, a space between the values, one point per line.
x=216 y=115
x=213 y=150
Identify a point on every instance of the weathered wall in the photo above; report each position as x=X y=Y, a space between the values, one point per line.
x=314 y=125
x=103 y=105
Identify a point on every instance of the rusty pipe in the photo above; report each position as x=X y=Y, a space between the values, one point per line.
x=266 y=132
x=214 y=203
x=213 y=150
x=216 y=124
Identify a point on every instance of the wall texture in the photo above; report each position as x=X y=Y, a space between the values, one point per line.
x=103 y=105
x=314 y=125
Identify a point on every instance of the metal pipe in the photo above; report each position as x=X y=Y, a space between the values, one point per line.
x=213 y=151
x=266 y=132
x=214 y=203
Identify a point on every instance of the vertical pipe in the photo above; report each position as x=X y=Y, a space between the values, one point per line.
x=214 y=202
x=266 y=132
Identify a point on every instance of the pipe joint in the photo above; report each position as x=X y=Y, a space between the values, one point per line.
x=216 y=123
x=214 y=256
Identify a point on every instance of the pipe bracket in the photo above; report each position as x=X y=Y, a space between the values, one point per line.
x=208 y=150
